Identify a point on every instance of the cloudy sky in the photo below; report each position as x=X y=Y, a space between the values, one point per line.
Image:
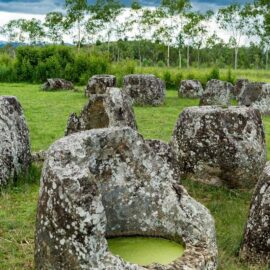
x=15 y=9
x=44 y=6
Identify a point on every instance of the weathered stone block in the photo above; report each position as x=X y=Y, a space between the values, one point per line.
x=190 y=89
x=217 y=93
x=108 y=182
x=256 y=95
x=220 y=146
x=145 y=89
x=239 y=86
x=256 y=244
x=165 y=151
x=57 y=84
x=112 y=109
x=15 y=156
x=98 y=84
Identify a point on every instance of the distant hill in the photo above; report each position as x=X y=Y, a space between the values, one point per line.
x=13 y=44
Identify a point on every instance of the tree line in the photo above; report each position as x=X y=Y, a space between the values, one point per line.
x=186 y=34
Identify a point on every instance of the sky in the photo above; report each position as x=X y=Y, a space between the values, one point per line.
x=44 y=6
x=15 y=9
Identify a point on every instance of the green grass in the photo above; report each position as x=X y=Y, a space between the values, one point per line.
x=47 y=114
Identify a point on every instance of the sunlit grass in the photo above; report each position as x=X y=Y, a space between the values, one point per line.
x=47 y=114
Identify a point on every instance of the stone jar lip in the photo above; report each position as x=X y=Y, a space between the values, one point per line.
x=103 y=75
x=176 y=239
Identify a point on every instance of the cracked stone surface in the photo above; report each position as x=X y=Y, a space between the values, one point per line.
x=15 y=156
x=109 y=182
x=98 y=84
x=217 y=93
x=239 y=86
x=145 y=89
x=57 y=84
x=256 y=95
x=190 y=89
x=220 y=146
x=112 y=109
x=256 y=243
x=165 y=151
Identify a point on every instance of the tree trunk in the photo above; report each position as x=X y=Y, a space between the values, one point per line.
x=140 y=54
x=108 y=43
x=79 y=35
x=180 y=58
x=168 y=56
x=198 y=58
x=266 y=59
x=187 y=56
x=236 y=58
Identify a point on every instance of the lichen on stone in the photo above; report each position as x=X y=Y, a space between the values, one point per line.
x=109 y=182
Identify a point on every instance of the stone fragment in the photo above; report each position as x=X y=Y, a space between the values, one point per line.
x=57 y=84
x=112 y=109
x=256 y=244
x=145 y=89
x=220 y=146
x=106 y=183
x=217 y=93
x=190 y=89
x=15 y=157
x=256 y=95
x=239 y=86
x=98 y=84
x=165 y=151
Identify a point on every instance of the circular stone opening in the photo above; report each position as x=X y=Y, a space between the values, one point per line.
x=145 y=250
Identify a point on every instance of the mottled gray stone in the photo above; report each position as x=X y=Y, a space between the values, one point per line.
x=165 y=151
x=220 y=146
x=109 y=182
x=256 y=244
x=217 y=93
x=239 y=86
x=256 y=95
x=15 y=157
x=57 y=84
x=98 y=84
x=39 y=157
x=145 y=89
x=190 y=89
x=112 y=109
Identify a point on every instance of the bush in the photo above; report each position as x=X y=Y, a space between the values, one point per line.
x=214 y=74
x=230 y=78
x=168 y=79
x=160 y=64
x=36 y=64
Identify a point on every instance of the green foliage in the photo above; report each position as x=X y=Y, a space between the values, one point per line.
x=168 y=79
x=36 y=64
x=214 y=74
x=230 y=78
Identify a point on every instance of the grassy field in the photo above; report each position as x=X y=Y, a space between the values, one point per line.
x=47 y=114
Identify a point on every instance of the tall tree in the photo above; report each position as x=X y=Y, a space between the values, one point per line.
x=107 y=12
x=54 y=23
x=262 y=26
x=35 y=31
x=77 y=11
x=170 y=11
x=14 y=30
x=196 y=31
x=234 y=19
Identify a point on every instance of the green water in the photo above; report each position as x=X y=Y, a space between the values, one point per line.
x=145 y=250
